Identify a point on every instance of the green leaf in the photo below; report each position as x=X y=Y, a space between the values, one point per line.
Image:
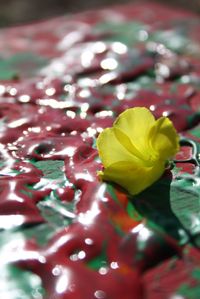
x=54 y=176
x=18 y=284
x=20 y=65
x=154 y=204
x=127 y=33
x=195 y=131
x=100 y=260
x=189 y=291
x=185 y=203
x=172 y=39
x=52 y=169
x=57 y=213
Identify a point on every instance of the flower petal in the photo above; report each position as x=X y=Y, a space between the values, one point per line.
x=164 y=138
x=111 y=150
x=136 y=123
x=132 y=177
x=126 y=142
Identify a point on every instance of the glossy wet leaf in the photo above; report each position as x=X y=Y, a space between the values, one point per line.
x=52 y=169
x=57 y=213
x=154 y=204
x=185 y=203
x=18 y=284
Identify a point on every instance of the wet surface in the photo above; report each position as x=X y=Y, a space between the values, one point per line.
x=62 y=82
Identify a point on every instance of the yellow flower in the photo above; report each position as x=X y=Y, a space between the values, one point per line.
x=135 y=150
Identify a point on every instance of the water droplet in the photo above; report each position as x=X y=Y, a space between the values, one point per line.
x=100 y=294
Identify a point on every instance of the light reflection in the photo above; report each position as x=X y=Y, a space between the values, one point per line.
x=14 y=245
x=152 y=107
x=121 y=91
x=2 y=89
x=39 y=85
x=57 y=270
x=34 y=129
x=103 y=270
x=17 y=123
x=10 y=221
x=25 y=98
x=84 y=107
x=69 y=88
x=74 y=257
x=88 y=217
x=99 y=129
x=54 y=103
x=70 y=39
x=114 y=265
x=48 y=128
x=25 y=132
x=55 y=68
x=166 y=113
x=83 y=82
x=162 y=70
x=138 y=228
x=99 y=47
x=13 y=195
x=109 y=64
x=185 y=79
x=119 y=48
x=85 y=93
x=89 y=241
x=12 y=91
x=101 y=193
x=7 y=160
x=81 y=255
x=78 y=256
x=42 y=259
x=9 y=289
x=63 y=282
x=143 y=35
x=104 y=113
x=194 y=220
x=71 y=114
x=107 y=77
x=68 y=151
x=50 y=91
x=143 y=232
x=161 y=49
x=59 y=243
x=99 y=294
x=73 y=133
x=83 y=115
x=86 y=58
x=84 y=176
x=36 y=294
x=91 y=132
x=20 y=254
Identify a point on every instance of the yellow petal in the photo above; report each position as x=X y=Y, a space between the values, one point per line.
x=164 y=138
x=136 y=123
x=132 y=177
x=111 y=150
x=126 y=142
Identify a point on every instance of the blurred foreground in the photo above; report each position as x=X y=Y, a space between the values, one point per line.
x=21 y=11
